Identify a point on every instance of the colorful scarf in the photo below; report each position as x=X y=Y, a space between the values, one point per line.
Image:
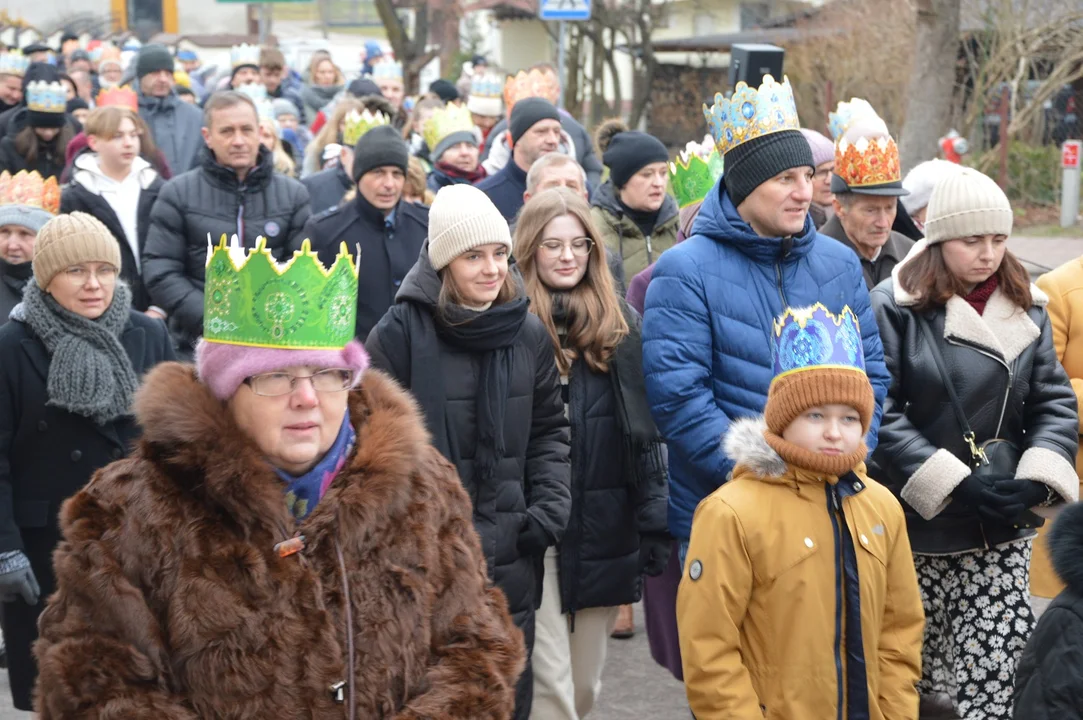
x=303 y=493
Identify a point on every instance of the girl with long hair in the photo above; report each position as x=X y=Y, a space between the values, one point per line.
x=617 y=529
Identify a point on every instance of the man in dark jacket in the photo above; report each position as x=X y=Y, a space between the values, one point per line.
x=713 y=299
x=235 y=190
x=174 y=124
x=388 y=230
x=866 y=198
x=535 y=131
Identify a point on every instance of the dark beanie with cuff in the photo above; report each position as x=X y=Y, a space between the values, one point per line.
x=631 y=151
x=444 y=90
x=381 y=146
x=753 y=163
x=527 y=113
x=450 y=141
x=152 y=58
x=362 y=87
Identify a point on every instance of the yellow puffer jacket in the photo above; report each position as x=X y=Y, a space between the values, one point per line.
x=762 y=605
x=1064 y=286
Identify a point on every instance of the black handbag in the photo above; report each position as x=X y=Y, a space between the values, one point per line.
x=992 y=457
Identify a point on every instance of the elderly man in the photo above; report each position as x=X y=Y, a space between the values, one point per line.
x=174 y=124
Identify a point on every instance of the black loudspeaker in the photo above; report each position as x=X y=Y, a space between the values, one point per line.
x=749 y=63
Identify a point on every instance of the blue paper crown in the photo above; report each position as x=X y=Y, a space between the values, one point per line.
x=488 y=85
x=388 y=69
x=46 y=97
x=814 y=337
x=14 y=63
x=751 y=113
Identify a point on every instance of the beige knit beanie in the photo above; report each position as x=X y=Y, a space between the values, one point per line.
x=71 y=239
x=461 y=218
x=965 y=204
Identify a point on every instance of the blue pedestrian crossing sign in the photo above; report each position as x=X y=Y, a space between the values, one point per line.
x=564 y=9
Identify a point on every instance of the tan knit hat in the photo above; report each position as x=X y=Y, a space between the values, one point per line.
x=462 y=218
x=965 y=204
x=71 y=239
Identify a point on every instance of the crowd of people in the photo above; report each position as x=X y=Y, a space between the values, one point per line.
x=317 y=398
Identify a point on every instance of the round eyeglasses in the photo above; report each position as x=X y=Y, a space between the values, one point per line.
x=580 y=247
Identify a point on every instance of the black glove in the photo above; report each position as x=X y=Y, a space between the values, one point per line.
x=653 y=554
x=533 y=540
x=17 y=579
x=1015 y=496
x=975 y=491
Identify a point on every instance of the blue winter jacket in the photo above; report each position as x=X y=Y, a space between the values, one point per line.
x=707 y=336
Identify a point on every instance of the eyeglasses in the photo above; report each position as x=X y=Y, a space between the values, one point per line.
x=580 y=246
x=274 y=384
x=79 y=275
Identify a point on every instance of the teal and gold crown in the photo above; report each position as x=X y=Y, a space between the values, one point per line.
x=445 y=121
x=250 y=299
x=388 y=69
x=357 y=124
x=694 y=172
x=751 y=113
x=14 y=63
x=46 y=97
x=244 y=54
x=815 y=337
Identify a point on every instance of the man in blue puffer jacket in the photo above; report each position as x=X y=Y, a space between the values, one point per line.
x=712 y=301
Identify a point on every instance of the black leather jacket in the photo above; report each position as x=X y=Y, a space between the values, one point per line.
x=1005 y=371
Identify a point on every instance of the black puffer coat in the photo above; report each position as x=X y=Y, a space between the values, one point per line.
x=611 y=511
x=1005 y=371
x=1049 y=677
x=210 y=200
x=13 y=279
x=534 y=475
x=326 y=188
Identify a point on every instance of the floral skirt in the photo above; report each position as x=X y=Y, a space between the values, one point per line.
x=977 y=622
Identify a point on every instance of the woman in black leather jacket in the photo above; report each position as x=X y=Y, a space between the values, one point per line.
x=972 y=534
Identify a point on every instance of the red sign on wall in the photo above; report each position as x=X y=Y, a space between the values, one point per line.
x=1069 y=154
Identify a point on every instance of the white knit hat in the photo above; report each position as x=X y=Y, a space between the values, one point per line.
x=462 y=218
x=965 y=204
x=921 y=180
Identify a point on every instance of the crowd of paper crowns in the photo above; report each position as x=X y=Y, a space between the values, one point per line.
x=815 y=337
x=27 y=198
x=14 y=63
x=866 y=156
x=251 y=299
x=695 y=171
x=751 y=113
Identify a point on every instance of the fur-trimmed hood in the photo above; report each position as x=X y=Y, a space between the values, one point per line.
x=1066 y=547
x=745 y=445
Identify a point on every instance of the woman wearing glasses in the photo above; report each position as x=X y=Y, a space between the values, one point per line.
x=70 y=360
x=617 y=529
x=284 y=541
x=462 y=339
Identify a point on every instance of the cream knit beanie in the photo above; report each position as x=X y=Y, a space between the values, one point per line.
x=71 y=239
x=462 y=218
x=964 y=204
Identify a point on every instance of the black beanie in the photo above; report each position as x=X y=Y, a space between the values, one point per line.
x=631 y=151
x=527 y=113
x=362 y=87
x=444 y=90
x=77 y=103
x=753 y=163
x=381 y=146
x=152 y=58
x=40 y=72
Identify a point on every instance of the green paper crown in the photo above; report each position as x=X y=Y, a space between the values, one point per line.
x=250 y=299
x=692 y=175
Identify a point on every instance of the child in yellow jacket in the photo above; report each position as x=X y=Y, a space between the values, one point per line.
x=799 y=599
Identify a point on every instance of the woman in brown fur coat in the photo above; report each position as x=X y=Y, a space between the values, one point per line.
x=277 y=546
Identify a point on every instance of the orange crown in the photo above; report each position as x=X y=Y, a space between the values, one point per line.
x=30 y=189
x=122 y=96
x=536 y=83
x=869 y=161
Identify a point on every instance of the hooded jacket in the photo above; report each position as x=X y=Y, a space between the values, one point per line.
x=624 y=238
x=210 y=201
x=768 y=624
x=1004 y=368
x=1049 y=676
x=177 y=129
x=707 y=335
x=172 y=601
x=91 y=191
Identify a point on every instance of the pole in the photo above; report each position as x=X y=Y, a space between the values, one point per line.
x=1069 y=189
x=560 y=63
x=1003 y=139
x=264 y=21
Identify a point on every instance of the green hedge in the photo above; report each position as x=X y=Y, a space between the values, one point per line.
x=1033 y=172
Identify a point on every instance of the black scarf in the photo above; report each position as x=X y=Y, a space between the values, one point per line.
x=641 y=439
x=491 y=334
x=644 y=220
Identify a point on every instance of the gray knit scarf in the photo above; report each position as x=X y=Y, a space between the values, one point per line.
x=90 y=374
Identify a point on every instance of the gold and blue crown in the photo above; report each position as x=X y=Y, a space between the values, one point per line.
x=356 y=124
x=751 y=113
x=46 y=97
x=445 y=121
x=14 y=63
x=251 y=299
x=244 y=54
x=694 y=172
x=387 y=70
x=814 y=337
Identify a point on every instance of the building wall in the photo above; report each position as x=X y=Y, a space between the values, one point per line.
x=208 y=16
x=194 y=16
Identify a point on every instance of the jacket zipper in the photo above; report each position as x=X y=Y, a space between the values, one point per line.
x=1011 y=378
x=778 y=282
x=834 y=509
x=650 y=254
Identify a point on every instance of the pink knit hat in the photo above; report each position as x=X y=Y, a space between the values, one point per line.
x=223 y=367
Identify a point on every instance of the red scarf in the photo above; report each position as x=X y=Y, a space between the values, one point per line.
x=980 y=295
x=454 y=172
